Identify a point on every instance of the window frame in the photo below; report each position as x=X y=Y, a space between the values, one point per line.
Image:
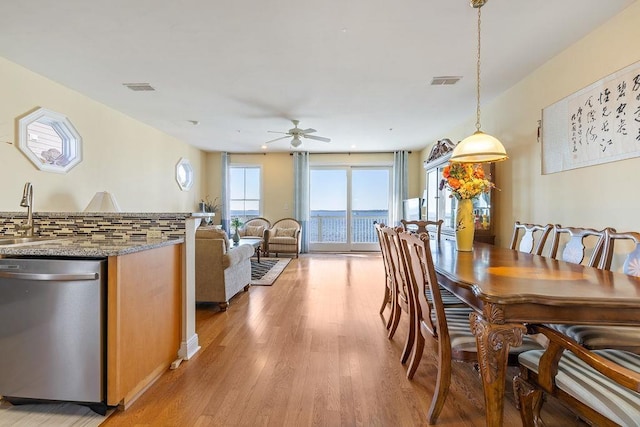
x=245 y=166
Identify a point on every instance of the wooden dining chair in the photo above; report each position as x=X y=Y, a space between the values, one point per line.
x=575 y=248
x=455 y=340
x=423 y=226
x=399 y=293
x=601 y=386
x=432 y=228
x=388 y=287
x=606 y=336
x=530 y=238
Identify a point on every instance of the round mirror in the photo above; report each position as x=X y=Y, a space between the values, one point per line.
x=50 y=141
x=184 y=174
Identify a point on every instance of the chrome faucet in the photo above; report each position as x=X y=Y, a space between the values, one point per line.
x=27 y=202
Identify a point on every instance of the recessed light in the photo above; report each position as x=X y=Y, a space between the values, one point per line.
x=264 y=147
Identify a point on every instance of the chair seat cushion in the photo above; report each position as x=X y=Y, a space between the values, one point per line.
x=597 y=336
x=590 y=387
x=447 y=298
x=282 y=240
x=463 y=340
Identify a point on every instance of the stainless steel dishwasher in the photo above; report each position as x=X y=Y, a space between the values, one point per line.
x=52 y=330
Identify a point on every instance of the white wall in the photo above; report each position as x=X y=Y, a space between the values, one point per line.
x=596 y=196
x=120 y=155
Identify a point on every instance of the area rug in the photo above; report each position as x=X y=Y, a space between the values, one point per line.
x=265 y=272
x=45 y=414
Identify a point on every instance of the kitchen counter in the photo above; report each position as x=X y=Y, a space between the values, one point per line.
x=85 y=247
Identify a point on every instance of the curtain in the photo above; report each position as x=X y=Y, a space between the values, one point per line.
x=301 y=195
x=400 y=188
x=224 y=210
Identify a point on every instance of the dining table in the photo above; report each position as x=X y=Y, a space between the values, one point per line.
x=508 y=289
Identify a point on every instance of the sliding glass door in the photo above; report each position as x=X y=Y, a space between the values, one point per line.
x=345 y=202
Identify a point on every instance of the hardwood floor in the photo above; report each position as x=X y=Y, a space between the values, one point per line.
x=311 y=350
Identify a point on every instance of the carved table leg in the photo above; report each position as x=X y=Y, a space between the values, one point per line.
x=493 y=338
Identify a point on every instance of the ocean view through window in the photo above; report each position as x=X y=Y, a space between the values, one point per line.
x=244 y=191
x=345 y=202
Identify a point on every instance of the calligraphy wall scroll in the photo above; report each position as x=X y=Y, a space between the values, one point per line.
x=598 y=124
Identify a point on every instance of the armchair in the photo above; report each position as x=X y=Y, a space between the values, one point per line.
x=601 y=386
x=255 y=228
x=283 y=237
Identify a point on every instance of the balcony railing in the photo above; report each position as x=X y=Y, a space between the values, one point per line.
x=333 y=229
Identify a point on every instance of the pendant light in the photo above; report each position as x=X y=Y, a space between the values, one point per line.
x=479 y=147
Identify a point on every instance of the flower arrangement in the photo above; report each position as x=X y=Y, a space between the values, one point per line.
x=465 y=180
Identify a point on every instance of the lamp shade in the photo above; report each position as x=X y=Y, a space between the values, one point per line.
x=479 y=148
x=103 y=201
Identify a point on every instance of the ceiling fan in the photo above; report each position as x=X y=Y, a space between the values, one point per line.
x=296 y=133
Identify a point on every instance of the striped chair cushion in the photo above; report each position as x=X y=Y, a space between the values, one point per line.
x=447 y=298
x=592 y=336
x=590 y=387
x=461 y=337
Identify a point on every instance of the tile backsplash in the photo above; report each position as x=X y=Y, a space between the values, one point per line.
x=99 y=225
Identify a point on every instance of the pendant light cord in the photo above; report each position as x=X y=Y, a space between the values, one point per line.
x=478 y=77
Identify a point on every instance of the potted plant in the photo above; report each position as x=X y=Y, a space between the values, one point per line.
x=236 y=223
x=207 y=206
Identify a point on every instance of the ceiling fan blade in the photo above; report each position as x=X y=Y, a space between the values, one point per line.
x=310 y=130
x=274 y=131
x=278 y=139
x=317 y=138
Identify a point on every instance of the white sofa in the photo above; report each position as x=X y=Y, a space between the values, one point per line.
x=222 y=270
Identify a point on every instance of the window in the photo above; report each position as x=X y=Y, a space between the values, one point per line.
x=345 y=202
x=244 y=192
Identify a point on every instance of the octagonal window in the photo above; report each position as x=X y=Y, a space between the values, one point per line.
x=184 y=174
x=50 y=141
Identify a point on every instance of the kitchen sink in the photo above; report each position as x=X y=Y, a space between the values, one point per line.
x=4 y=241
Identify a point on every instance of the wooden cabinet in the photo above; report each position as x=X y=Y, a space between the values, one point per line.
x=439 y=204
x=144 y=312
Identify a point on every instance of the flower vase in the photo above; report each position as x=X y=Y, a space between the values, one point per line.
x=236 y=237
x=465 y=227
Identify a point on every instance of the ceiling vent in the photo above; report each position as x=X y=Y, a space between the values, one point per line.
x=139 y=86
x=445 y=80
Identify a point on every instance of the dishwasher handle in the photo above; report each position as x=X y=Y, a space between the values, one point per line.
x=59 y=277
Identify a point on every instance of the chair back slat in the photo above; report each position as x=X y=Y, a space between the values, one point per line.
x=530 y=238
x=390 y=238
x=575 y=248
x=422 y=279
x=631 y=265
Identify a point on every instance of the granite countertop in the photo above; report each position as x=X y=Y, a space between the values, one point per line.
x=84 y=247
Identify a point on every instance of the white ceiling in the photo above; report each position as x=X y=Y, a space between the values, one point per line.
x=358 y=71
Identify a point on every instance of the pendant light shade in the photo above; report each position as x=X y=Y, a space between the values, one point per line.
x=479 y=147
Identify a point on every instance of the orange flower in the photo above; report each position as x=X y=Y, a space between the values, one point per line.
x=465 y=180
x=453 y=183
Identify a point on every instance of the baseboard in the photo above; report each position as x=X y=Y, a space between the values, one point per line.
x=189 y=348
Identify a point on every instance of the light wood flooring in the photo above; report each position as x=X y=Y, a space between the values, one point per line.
x=311 y=350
